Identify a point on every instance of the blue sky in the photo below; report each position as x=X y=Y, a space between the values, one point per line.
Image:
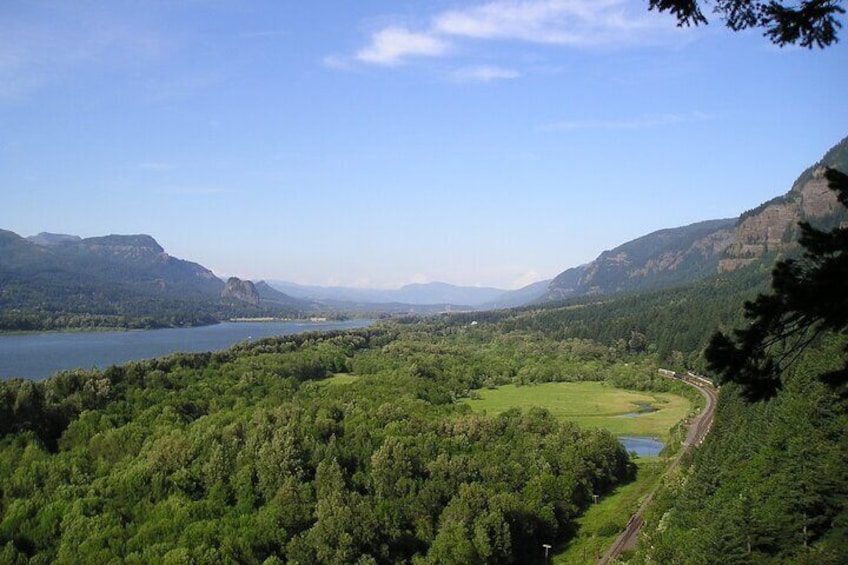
x=381 y=143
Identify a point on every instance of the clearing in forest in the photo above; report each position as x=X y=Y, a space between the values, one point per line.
x=592 y=404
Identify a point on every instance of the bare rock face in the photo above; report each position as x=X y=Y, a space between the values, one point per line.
x=773 y=227
x=243 y=291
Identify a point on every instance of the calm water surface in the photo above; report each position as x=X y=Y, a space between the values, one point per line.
x=643 y=446
x=36 y=356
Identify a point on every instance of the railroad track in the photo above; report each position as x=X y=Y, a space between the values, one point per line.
x=698 y=429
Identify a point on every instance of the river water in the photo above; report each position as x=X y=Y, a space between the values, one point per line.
x=39 y=355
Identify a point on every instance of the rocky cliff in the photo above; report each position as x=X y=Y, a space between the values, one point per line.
x=772 y=228
x=686 y=254
x=243 y=291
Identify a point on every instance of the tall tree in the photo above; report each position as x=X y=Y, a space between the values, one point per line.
x=812 y=23
x=808 y=299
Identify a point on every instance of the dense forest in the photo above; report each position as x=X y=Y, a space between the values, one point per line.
x=770 y=483
x=768 y=486
x=336 y=448
x=356 y=447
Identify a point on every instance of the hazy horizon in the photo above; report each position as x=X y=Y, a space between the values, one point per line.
x=376 y=145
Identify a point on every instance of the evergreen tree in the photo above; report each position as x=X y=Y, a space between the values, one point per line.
x=813 y=23
x=808 y=299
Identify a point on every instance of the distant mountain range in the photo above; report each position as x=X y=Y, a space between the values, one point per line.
x=418 y=294
x=58 y=280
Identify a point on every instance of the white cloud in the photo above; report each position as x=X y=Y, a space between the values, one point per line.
x=575 y=23
x=483 y=74
x=337 y=62
x=640 y=122
x=527 y=278
x=419 y=278
x=567 y=22
x=391 y=45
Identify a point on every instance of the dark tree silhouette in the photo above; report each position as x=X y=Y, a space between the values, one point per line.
x=808 y=299
x=808 y=23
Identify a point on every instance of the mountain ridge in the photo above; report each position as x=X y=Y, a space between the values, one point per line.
x=57 y=280
x=414 y=294
x=685 y=254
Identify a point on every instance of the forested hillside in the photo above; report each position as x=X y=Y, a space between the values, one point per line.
x=770 y=483
x=55 y=281
x=355 y=448
x=336 y=448
x=768 y=486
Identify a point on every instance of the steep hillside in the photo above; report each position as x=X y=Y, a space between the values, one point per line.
x=772 y=228
x=681 y=255
x=663 y=258
x=241 y=291
x=56 y=281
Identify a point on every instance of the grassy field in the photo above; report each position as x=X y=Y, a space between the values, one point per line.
x=596 y=404
x=591 y=404
x=602 y=522
x=338 y=379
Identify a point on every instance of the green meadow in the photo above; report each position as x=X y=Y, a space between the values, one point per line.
x=591 y=404
x=598 y=527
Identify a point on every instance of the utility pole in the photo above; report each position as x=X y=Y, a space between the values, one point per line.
x=547 y=547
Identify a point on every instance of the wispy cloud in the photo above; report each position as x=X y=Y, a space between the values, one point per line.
x=640 y=122
x=51 y=42
x=527 y=278
x=391 y=45
x=574 y=23
x=564 y=22
x=483 y=74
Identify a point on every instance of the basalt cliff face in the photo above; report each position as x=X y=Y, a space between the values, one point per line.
x=243 y=291
x=772 y=229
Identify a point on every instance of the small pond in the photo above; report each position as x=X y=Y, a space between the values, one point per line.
x=642 y=446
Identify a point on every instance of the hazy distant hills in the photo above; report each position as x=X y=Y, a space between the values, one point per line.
x=59 y=280
x=421 y=294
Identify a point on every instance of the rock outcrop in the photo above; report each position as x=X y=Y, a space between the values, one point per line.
x=681 y=255
x=772 y=228
x=243 y=291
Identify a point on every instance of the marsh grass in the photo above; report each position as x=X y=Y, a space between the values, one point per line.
x=591 y=404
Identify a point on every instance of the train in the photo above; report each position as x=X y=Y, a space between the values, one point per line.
x=693 y=377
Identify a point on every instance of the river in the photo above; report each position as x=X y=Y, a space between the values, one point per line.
x=39 y=355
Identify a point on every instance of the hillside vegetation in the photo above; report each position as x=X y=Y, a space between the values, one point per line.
x=127 y=281
x=340 y=448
